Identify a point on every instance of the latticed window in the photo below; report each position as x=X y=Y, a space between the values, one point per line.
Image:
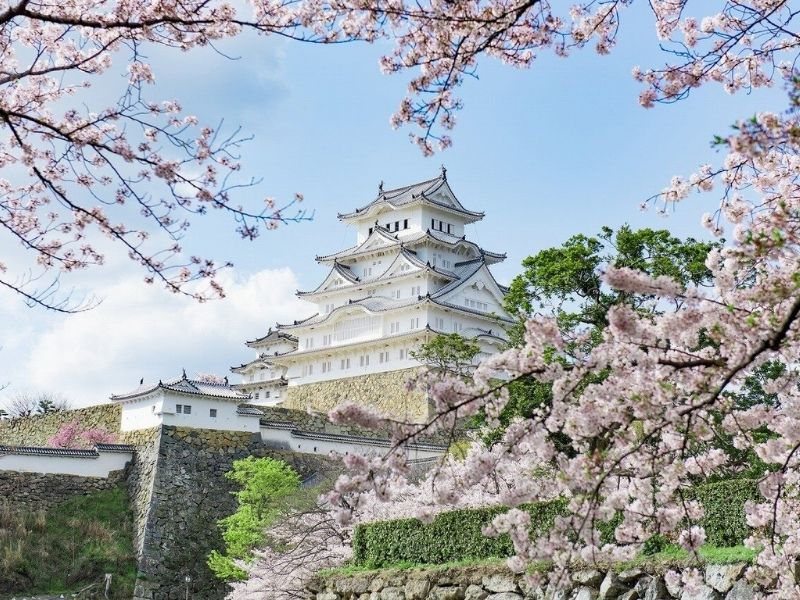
x=356 y=327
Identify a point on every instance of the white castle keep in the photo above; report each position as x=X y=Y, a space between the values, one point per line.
x=411 y=275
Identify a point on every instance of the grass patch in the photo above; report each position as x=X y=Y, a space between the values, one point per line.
x=68 y=547
x=675 y=556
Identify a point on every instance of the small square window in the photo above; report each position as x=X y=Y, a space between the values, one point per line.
x=212 y=412
x=257 y=395
x=187 y=409
x=179 y=408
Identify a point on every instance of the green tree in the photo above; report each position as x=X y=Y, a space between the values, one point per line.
x=448 y=352
x=566 y=282
x=265 y=484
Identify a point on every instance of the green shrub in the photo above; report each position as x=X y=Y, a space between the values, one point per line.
x=724 y=501
x=265 y=484
x=452 y=536
x=457 y=535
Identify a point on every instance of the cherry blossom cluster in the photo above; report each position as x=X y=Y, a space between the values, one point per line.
x=73 y=434
x=646 y=407
x=133 y=172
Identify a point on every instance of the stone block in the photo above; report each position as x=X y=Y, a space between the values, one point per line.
x=393 y=593
x=611 y=587
x=654 y=590
x=500 y=582
x=704 y=592
x=741 y=590
x=629 y=575
x=722 y=577
x=417 y=589
x=588 y=577
x=475 y=592
x=584 y=593
x=504 y=596
x=446 y=592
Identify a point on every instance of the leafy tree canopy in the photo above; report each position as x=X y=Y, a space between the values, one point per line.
x=265 y=483
x=566 y=280
x=449 y=352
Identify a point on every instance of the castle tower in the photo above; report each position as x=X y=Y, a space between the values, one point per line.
x=411 y=275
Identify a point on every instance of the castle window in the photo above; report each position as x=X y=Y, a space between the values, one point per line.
x=345 y=364
x=179 y=408
x=311 y=369
x=256 y=395
x=402 y=353
x=405 y=223
x=448 y=228
x=212 y=412
x=433 y=223
x=414 y=323
x=397 y=293
x=267 y=394
x=383 y=357
x=370 y=231
x=187 y=409
x=397 y=225
x=364 y=360
x=439 y=323
x=415 y=291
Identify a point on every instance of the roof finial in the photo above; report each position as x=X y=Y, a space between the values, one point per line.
x=444 y=172
x=380 y=188
x=184 y=373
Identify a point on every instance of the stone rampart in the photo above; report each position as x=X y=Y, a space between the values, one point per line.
x=36 y=429
x=187 y=495
x=385 y=392
x=495 y=582
x=40 y=491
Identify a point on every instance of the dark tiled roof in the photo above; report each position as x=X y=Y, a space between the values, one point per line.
x=115 y=447
x=363 y=441
x=185 y=385
x=415 y=192
x=249 y=411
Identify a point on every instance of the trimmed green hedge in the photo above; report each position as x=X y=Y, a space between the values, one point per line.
x=723 y=502
x=457 y=535
x=452 y=536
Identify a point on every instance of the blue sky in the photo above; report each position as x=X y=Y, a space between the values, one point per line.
x=547 y=152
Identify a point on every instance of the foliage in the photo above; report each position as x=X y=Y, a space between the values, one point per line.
x=451 y=536
x=449 y=352
x=567 y=281
x=69 y=547
x=72 y=434
x=724 y=518
x=265 y=483
x=459 y=534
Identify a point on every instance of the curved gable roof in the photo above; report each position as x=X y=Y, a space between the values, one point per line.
x=424 y=192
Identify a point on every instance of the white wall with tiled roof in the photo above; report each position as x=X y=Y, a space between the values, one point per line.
x=84 y=463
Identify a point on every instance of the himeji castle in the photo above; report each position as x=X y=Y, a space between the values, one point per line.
x=411 y=275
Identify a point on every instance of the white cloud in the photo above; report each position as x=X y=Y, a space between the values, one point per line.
x=143 y=331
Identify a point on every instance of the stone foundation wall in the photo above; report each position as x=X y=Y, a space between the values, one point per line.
x=34 y=430
x=187 y=495
x=721 y=582
x=385 y=392
x=39 y=491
